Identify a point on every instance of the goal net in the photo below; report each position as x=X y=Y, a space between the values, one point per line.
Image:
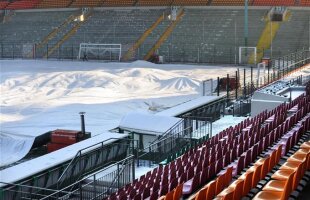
x=106 y=52
x=247 y=55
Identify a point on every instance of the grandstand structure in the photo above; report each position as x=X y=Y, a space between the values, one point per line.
x=203 y=31
x=265 y=156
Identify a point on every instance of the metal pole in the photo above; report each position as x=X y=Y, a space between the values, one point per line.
x=47 y=51
x=270 y=38
x=244 y=85
x=236 y=85
x=246 y=28
x=251 y=75
x=235 y=42
x=218 y=86
x=227 y=87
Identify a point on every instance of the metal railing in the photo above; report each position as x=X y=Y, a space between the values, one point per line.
x=81 y=165
x=185 y=133
x=95 y=186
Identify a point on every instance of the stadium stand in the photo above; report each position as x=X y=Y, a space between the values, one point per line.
x=27 y=4
x=82 y=3
x=206 y=35
x=191 y=3
x=304 y=3
x=210 y=35
x=3 y=4
x=116 y=26
x=24 y=4
x=273 y=2
x=229 y=3
x=260 y=142
x=54 y=4
x=27 y=28
x=289 y=37
x=153 y=3
x=111 y=3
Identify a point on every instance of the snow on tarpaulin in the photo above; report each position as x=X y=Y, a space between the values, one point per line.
x=147 y=123
x=15 y=147
x=190 y=105
x=31 y=167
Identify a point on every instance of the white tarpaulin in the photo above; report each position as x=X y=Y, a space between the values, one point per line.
x=147 y=123
x=14 y=147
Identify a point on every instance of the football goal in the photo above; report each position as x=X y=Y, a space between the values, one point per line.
x=105 y=52
x=247 y=55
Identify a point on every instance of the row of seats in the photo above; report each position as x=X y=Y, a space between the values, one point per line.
x=23 y=4
x=240 y=188
x=273 y=2
x=27 y=4
x=54 y=4
x=287 y=178
x=198 y=169
x=259 y=170
x=3 y=4
x=274 y=155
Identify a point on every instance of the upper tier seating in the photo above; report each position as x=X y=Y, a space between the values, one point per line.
x=230 y=2
x=3 y=4
x=273 y=2
x=54 y=4
x=23 y=4
x=304 y=3
x=26 y=4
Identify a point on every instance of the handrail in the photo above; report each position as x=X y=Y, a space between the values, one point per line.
x=79 y=153
x=168 y=131
x=87 y=177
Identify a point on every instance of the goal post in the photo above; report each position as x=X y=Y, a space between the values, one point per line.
x=247 y=55
x=108 y=52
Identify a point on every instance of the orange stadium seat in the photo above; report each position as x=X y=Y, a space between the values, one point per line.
x=228 y=2
x=3 y=4
x=83 y=3
x=191 y=2
x=273 y=2
x=54 y=4
x=24 y=4
x=154 y=3
x=118 y=3
x=304 y=2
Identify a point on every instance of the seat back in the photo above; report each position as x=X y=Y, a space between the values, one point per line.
x=288 y=187
x=265 y=168
x=228 y=176
x=202 y=194
x=240 y=164
x=256 y=175
x=220 y=183
x=272 y=161
x=238 y=186
x=247 y=182
x=279 y=153
x=169 y=195
x=211 y=190
x=178 y=192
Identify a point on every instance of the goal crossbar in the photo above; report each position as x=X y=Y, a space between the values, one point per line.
x=84 y=47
